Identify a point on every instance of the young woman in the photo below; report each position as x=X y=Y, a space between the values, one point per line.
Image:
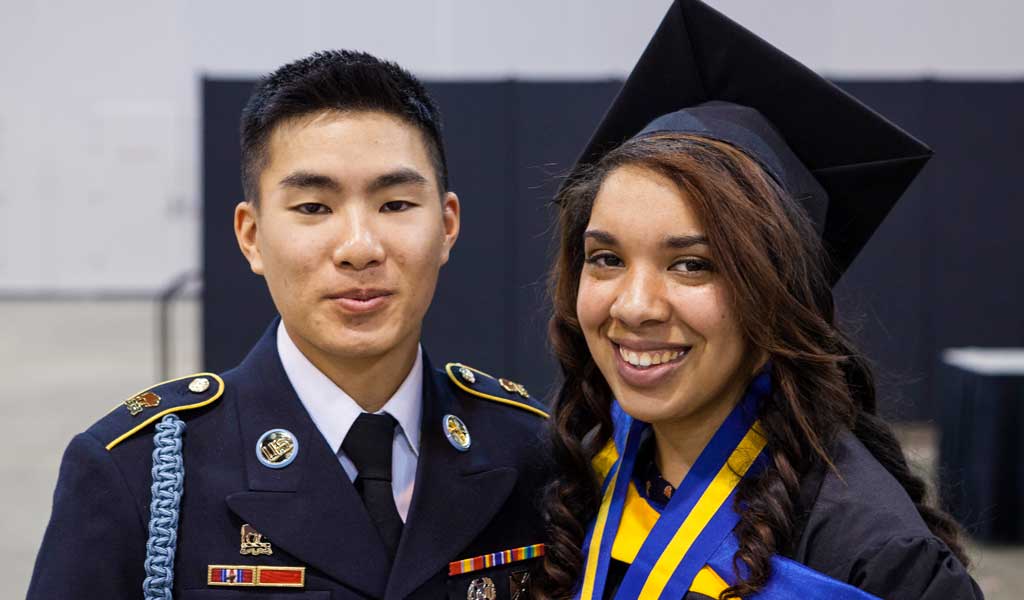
x=717 y=433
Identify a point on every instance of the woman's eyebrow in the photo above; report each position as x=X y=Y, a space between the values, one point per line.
x=601 y=237
x=679 y=242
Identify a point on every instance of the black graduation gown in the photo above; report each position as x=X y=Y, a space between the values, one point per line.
x=862 y=529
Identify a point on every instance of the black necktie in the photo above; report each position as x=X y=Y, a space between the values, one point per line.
x=368 y=444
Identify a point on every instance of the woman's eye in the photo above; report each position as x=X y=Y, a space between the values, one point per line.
x=396 y=206
x=604 y=259
x=692 y=265
x=312 y=208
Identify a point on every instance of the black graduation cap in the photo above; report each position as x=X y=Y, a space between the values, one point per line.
x=702 y=73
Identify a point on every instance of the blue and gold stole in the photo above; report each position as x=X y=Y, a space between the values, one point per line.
x=687 y=546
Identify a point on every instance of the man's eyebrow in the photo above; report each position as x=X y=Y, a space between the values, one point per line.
x=401 y=176
x=308 y=180
x=679 y=242
x=601 y=237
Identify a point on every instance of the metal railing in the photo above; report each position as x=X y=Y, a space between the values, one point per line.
x=164 y=300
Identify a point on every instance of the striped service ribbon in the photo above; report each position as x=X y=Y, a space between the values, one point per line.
x=468 y=565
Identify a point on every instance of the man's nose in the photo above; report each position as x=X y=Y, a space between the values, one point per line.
x=358 y=246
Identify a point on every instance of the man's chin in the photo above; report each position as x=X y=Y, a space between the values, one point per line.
x=359 y=346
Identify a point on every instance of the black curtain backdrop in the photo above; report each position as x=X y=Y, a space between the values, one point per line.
x=944 y=270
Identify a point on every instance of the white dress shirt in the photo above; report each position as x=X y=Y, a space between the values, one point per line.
x=333 y=411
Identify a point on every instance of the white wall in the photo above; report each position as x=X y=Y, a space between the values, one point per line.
x=99 y=113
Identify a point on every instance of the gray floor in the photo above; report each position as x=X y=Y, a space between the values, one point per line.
x=63 y=364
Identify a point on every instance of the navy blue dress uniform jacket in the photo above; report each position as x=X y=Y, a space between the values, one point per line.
x=465 y=504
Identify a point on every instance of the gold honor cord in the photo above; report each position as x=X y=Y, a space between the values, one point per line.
x=590 y=573
x=710 y=503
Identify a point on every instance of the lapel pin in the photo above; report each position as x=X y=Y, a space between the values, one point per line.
x=199 y=385
x=252 y=542
x=141 y=401
x=456 y=432
x=468 y=375
x=482 y=589
x=277 y=448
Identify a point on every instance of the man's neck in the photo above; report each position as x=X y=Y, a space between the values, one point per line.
x=370 y=381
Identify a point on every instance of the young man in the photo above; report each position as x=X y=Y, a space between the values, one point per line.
x=335 y=458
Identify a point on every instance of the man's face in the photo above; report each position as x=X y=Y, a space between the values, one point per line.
x=350 y=233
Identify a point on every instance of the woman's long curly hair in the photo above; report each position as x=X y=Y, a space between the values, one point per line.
x=772 y=262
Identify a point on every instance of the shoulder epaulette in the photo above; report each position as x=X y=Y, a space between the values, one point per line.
x=153 y=403
x=498 y=389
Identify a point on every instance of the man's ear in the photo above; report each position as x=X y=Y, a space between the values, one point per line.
x=451 y=212
x=247 y=234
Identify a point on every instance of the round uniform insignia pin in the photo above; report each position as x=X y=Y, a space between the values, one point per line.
x=456 y=432
x=277 y=448
x=467 y=375
x=199 y=385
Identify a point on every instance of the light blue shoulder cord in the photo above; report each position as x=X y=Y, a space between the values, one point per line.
x=168 y=479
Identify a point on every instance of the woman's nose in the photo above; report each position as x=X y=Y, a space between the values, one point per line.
x=641 y=299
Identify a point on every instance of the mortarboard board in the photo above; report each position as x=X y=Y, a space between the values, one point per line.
x=704 y=74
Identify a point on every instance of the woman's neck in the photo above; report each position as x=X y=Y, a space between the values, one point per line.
x=678 y=443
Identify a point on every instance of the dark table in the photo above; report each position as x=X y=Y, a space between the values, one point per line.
x=981 y=450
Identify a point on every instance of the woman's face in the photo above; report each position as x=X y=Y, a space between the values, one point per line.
x=655 y=313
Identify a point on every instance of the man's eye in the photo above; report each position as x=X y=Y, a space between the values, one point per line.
x=604 y=259
x=396 y=206
x=692 y=265
x=312 y=208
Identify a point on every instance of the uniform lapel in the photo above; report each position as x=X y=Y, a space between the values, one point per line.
x=309 y=509
x=456 y=493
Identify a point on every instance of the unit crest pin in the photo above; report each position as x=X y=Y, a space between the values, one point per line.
x=137 y=403
x=252 y=542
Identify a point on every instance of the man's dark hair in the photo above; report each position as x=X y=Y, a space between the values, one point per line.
x=340 y=80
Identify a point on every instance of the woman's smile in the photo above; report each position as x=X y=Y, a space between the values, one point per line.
x=644 y=365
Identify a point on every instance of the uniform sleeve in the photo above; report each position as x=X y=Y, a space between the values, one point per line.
x=914 y=568
x=95 y=543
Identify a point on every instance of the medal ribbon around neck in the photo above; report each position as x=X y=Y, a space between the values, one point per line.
x=696 y=520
